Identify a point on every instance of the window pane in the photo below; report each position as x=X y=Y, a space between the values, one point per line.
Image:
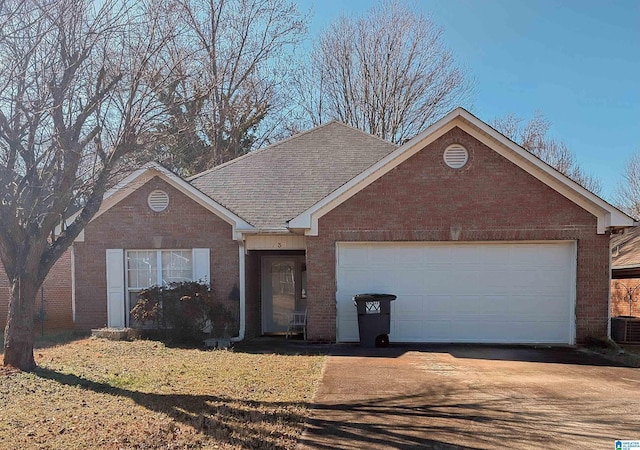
x=142 y=268
x=176 y=266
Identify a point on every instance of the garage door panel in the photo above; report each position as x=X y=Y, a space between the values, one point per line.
x=493 y=304
x=380 y=281
x=466 y=255
x=436 y=331
x=552 y=281
x=525 y=255
x=462 y=304
x=437 y=256
x=357 y=256
x=552 y=255
x=437 y=305
x=410 y=305
x=493 y=279
x=550 y=307
x=408 y=330
x=462 y=292
x=384 y=256
x=353 y=280
x=523 y=280
x=410 y=256
x=465 y=282
x=496 y=255
x=435 y=281
x=405 y=281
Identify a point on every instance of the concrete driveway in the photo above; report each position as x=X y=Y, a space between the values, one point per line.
x=472 y=397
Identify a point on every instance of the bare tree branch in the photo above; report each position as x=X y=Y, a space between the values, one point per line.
x=627 y=195
x=75 y=99
x=229 y=78
x=387 y=73
x=533 y=137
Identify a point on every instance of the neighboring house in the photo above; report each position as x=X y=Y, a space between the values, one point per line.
x=625 y=273
x=480 y=240
x=54 y=297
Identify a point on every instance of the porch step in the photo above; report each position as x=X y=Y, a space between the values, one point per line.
x=116 y=334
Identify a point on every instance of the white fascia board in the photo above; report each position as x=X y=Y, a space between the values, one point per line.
x=238 y=224
x=606 y=214
x=141 y=176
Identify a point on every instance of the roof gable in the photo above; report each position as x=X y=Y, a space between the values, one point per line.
x=141 y=176
x=607 y=215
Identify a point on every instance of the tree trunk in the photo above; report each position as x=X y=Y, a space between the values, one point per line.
x=18 y=334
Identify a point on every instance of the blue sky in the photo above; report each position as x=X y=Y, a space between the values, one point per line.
x=577 y=61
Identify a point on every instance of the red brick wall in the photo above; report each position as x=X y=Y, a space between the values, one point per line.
x=130 y=225
x=57 y=296
x=620 y=297
x=490 y=199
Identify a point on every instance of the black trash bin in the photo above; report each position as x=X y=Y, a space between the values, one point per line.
x=374 y=318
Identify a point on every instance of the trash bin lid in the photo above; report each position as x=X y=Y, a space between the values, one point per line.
x=373 y=297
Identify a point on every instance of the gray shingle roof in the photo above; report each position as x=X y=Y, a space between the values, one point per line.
x=625 y=249
x=270 y=186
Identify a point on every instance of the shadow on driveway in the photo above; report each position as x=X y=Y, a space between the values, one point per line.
x=468 y=397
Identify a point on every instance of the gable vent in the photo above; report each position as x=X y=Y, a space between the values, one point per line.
x=158 y=200
x=456 y=156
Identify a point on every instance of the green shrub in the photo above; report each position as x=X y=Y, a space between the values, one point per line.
x=184 y=312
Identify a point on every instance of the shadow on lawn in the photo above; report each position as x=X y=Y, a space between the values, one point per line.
x=51 y=339
x=434 y=419
x=228 y=420
x=242 y=423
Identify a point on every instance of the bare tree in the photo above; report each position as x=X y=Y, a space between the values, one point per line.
x=387 y=73
x=231 y=78
x=75 y=99
x=627 y=196
x=533 y=137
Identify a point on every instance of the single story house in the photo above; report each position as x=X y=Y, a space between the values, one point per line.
x=480 y=240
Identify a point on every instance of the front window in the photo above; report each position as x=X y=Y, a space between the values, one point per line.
x=176 y=266
x=146 y=268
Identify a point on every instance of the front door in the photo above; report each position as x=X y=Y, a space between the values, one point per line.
x=283 y=291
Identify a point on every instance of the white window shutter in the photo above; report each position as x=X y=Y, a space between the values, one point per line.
x=201 y=265
x=115 y=288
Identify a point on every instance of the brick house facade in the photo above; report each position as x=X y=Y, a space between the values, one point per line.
x=56 y=293
x=274 y=222
x=492 y=199
x=131 y=225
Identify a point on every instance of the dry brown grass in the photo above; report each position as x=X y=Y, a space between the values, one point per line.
x=93 y=393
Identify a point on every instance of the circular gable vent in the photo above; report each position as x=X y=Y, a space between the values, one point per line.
x=456 y=156
x=158 y=200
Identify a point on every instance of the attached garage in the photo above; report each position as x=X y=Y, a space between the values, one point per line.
x=463 y=292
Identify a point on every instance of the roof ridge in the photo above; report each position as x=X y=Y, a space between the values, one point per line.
x=366 y=133
x=263 y=149
x=286 y=140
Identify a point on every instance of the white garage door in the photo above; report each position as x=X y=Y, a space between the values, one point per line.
x=492 y=293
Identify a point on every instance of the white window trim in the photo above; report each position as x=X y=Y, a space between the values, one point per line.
x=199 y=265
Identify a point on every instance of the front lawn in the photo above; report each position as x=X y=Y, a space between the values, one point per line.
x=94 y=393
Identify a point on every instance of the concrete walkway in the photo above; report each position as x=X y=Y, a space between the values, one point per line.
x=472 y=397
